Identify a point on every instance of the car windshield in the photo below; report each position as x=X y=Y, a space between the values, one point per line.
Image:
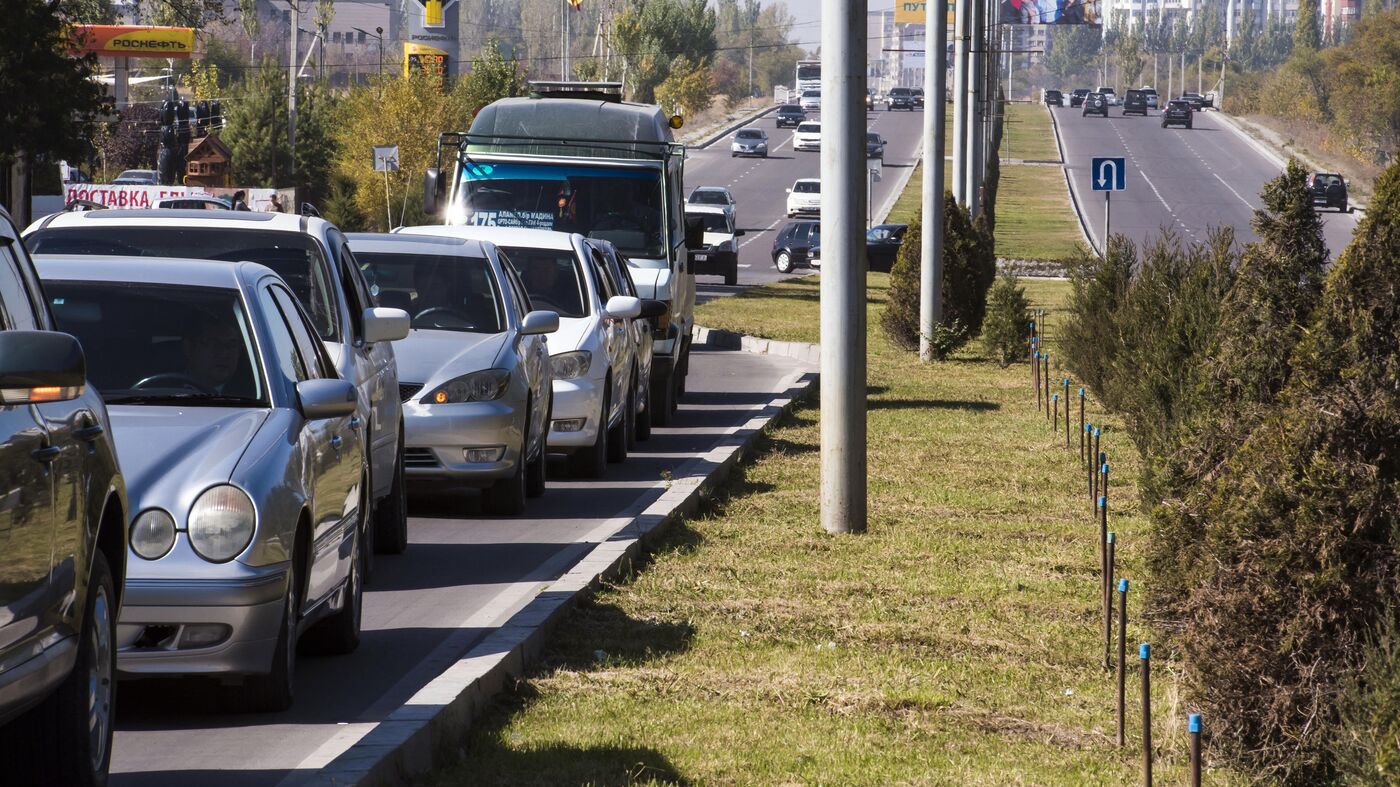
x=441 y=292
x=873 y=139
x=553 y=279
x=749 y=134
x=295 y=257
x=708 y=197
x=807 y=187
x=791 y=109
x=159 y=344
x=812 y=94
x=810 y=128
x=714 y=222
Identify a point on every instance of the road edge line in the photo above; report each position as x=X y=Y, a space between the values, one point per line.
x=1277 y=156
x=1084 y=229
x=729 y=128
x=430 y=728
x=898 y=190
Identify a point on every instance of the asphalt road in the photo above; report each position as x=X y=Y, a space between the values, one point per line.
x=1186 y=181
x=461 y=577
x=760 y=185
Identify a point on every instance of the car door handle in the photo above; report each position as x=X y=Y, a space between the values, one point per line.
x=355 y=422
x=336 y=442
x=46 y=454
x=88 y=433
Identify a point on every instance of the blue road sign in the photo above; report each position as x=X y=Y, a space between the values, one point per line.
x=1108 y=174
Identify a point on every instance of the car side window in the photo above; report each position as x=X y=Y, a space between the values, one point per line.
x=800 y=234
x=15 y=304
x=283 y=350
x=354 y=297
x=514 y=288
x=607 y=287
x=313 y=354
x=624 y=278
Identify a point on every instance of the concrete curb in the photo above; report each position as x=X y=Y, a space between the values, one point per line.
x=902 y=184
x=728 y=340
x=734 y=126
x=1069 y=186
x=428 y=730
x=1279 y=157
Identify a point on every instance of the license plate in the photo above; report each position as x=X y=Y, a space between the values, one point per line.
x=700 y=257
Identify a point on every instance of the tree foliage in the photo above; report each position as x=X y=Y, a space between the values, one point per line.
x=689 y=88
x=255 y=129
x=1306 y=32
x=1006 y=334
x=653 y=35
x=492 y=76
x=746 y=28
x=1072 y=51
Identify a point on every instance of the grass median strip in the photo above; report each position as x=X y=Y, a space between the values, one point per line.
x=955 y=643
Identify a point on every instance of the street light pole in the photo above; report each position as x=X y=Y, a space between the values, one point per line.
x=295 y=18
x=961 y=17
x=931 y=258
x=843 y=315
x=977 y=49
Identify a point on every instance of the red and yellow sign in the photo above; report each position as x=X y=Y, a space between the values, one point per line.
x=134 y=41
x=912 y=12
x=425 y=60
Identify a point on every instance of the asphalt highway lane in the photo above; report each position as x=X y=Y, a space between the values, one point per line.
x=462 y=576
x=1179 y=180
x=759 y=187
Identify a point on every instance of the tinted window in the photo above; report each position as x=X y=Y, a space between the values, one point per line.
x=750 y=134
x=807 y=187
x=714 y=222
x=281 y=351
x=810 y=128
x=310 y=349
x=708 y=197
x=15 y=307
x=161 y=344
x=873 y=139
x=440 y=292
x=295 y=257
x=553 y=279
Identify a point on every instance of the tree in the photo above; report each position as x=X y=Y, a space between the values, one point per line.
x=88 y=12
x=315 y=148
x=654 y=35
x=132 y=142
x=1072 y=50
x=1128 y=49
x=689 y=88
x=1306 y=34
x=248 y=15
x=1006 y=332
x=181 y=13
x=493 y=76
x=255 y=129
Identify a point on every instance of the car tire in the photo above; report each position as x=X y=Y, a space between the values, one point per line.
x=339 y=634
x=536 y=470
x=391 y=515
x=592 y=461
x=733 y=154
x=731 y=276
x=644 y=417
x=53 y=743
x=621 y=435
x=275 y=691
x=633 y=399
x=663 y=399
x=784 y=262
x=506 y=496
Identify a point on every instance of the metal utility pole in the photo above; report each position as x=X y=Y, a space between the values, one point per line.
x=931 y=260
x=295 y=18
x=961 y=26
x=976 y=65
x=843 y=168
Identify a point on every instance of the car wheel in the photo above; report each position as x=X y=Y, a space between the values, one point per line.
x=67 y=739
x=274 y=691
x=619 y=436
x=731 y=276
x=535 y=471
x=732 y=154
x=784 y=262
x=339 y=634
x=390 y=535
x=663 y=400
x=644 y=410
x=592 y=461
x=633 y=398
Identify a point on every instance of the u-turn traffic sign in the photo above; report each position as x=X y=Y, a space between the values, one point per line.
x=1108 y=174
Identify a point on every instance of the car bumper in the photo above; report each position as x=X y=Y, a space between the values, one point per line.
x=576 y=399
x=158 y=614
x=810 y=210
x=801 y=145
x=749 y=151
x=436 y=438
x=706 y=263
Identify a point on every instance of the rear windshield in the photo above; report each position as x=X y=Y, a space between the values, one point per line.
x=295 y=257
x=708 y=197
x=714 y=222
x=810 y=128
x=750 y=134
x=791 y=109
x=440 y=292
x=807 y=187
x=552 y=278
x=812 y=94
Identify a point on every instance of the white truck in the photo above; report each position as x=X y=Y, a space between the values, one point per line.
x=574 y=157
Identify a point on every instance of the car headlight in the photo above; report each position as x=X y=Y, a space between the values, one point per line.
x=152 y=534
x=221 y=523
x=487 y=385
x=570 y=366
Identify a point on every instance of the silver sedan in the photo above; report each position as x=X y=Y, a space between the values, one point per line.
x=243 y=465
x=474 y=370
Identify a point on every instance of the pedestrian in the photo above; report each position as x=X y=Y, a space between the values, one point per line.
x=276 y=203
x=240 y=200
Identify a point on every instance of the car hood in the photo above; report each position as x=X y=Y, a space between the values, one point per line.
x=167 y=454
x=429 y=356
x=571 y=334
x=653 y=283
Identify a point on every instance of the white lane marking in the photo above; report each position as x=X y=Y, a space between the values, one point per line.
x=775 y=223
x=1232 y=189
x=745 y=265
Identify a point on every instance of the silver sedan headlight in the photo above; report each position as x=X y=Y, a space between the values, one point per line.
x=152 y=534
x=221 y=523
x=570 y=366
x=487 y=385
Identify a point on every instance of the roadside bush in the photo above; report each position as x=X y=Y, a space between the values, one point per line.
x=969 y=266
x=1367 y=748
x=1299 y=553
x=340 y=208
x=1089 y=340
x=1006 y=334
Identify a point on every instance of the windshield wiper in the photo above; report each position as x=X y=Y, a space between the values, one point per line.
x=193 y=397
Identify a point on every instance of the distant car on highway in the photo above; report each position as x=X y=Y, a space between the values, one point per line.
x=811 y=100
x=1054 y=98
x=1177 y=113
x=874 y=145
x=1329 y=190
x=900 y=98
x=1110 y=96
x=808 y=136
x=882 y=244
x=791 y=115
x=1135 y=103
x=720 y=254
x=1077 y=97
x=749 y=142
x=474 y=369
x=244 y=460
x=918 y=96
x=1151 y=94
x=136 y=177
x=718 y=196
x=1196 y=100
x=869 y=100
x=805 y=196
x=793 y=243
x=1096 y=104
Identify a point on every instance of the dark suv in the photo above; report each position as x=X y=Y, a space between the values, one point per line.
x=1196 y=100
x=1054 y=98
x=793 y=244
x=1135 y=103
x=1329 y=190
x=63 y=544
x=900 y=98
x=1077 y=97
x=1177 y=113
x=1096 y=104
x=791 y=115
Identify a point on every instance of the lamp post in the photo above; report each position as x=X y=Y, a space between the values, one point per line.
x=380 y=39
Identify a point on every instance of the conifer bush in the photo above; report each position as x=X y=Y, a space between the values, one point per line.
x=1089 y=341
x=1006 y=334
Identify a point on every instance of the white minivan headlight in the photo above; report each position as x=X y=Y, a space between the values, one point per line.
x=221 y=523
x=152 y=534
x=571 y=365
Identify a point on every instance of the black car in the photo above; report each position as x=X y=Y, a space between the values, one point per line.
x=1329 y=190
x=901 y=98
x=918 y=96
x=791 y=115
x=874 y=146
x=1177 y=113
x=882 y=244
x=1054 y=98
x=793 y=244
x=63 y=544
x=1096 y=104
x=1196 y=100
x=1135 y=103
x=1077 y=97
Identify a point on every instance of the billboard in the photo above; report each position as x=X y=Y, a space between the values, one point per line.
x=431 y=43
x=142 y=197
x=425 y=60
x=1049 y=12
x=134 y=41
x=912 y=12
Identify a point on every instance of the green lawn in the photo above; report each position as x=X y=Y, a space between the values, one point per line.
x=957 y=642
x=1034 y=218
x=1028 y=134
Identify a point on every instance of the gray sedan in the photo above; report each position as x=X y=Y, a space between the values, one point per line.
x=474 y=370
x=246 y=474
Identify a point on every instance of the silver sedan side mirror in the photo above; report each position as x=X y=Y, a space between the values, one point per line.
x=539 y=322
x=321 y=399
x=623 y=306
x=382 y=324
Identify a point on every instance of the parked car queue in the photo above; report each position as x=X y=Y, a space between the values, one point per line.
x=256 y=394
